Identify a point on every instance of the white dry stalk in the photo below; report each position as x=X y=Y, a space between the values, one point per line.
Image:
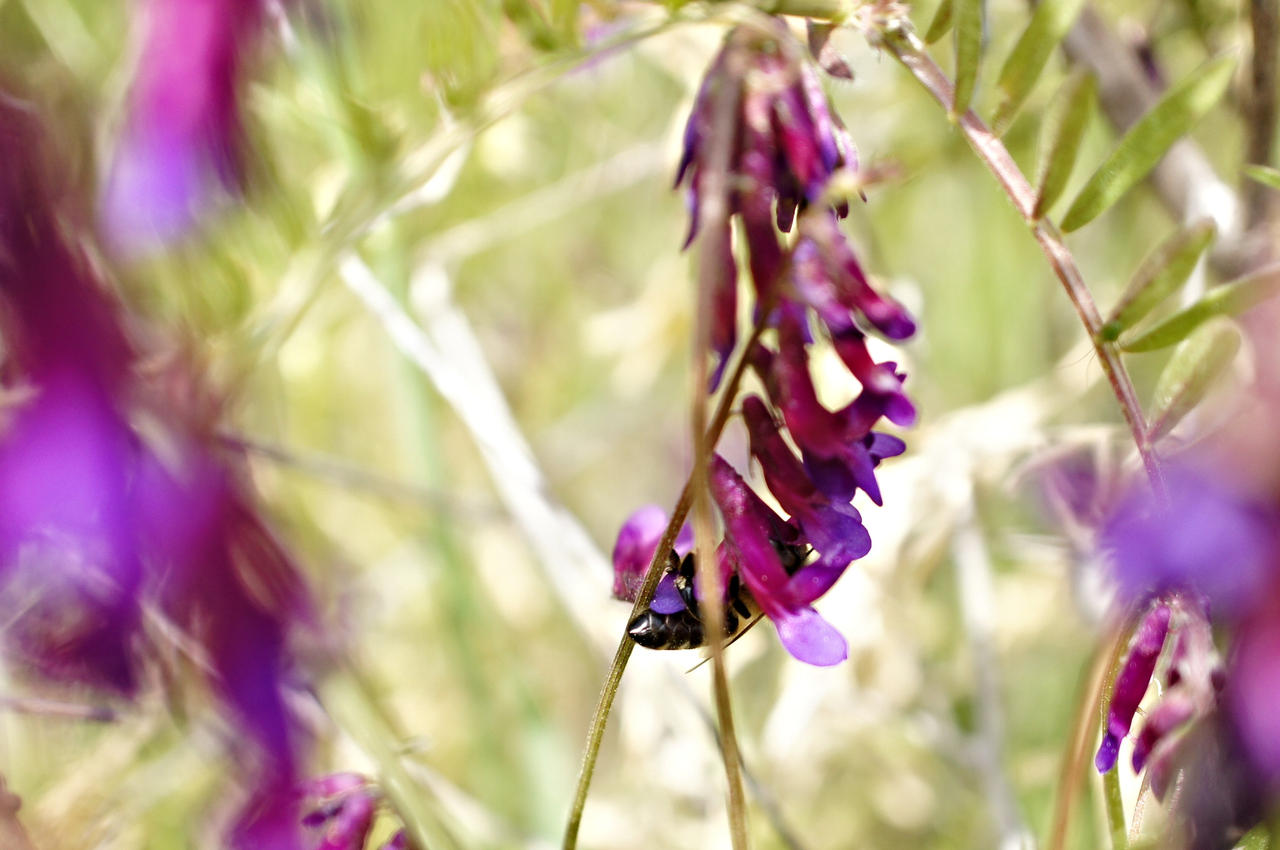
x=448 y=353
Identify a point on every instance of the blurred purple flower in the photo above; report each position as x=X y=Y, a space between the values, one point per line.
x=69 y=559
x=1192 y=682
x=340 y=813
x=1253 y=683
x=1131 y=685
x=1207 y=539
x=99 y=518
x=182 y=139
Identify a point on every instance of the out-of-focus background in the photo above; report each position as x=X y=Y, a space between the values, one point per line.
x=453 y=484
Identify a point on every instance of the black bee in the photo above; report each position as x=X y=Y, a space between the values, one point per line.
x=683 y=629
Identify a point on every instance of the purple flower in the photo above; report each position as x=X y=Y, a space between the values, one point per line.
x=341 y=815
x=835 y=529
x=1192 y=682
x=637 y=540
x=1253 y=681
x=182 y=140
x=1207 y=539
x=839 y=278
x=99 y=519
x=69 y=559
x=786 y=144
x=836 y=453
x=751 y=528
x=1131 y=684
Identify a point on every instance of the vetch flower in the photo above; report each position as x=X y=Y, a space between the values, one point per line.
x=637 y=540
x=183 y=137
x=763 y=100
x=751 y=529
x=834 y=529
x=115 y=497
x=1132 y=683
x=1207 y=538
x=341 y=814
x=786 y=145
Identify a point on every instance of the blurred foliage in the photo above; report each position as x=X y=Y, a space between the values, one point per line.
x=560 y=241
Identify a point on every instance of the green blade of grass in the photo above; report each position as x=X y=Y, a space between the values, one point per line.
x=1263 y=174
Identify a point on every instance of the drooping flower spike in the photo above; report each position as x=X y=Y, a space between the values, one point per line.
x=785 y=145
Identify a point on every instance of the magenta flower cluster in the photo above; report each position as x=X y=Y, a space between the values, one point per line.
x=785 y=146
x=115 y=497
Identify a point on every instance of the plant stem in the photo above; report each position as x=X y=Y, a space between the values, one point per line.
x=1082 y=737
x=595 y=732
x=908 y=50
x=1115 y=809
x=713 y=218
x=1260 y=110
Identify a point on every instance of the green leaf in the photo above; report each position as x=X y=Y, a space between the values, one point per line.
x=968 y=21
x=1161 y=273
x=1064 y=127
x=1144 y=144
x=1049 y=23
x=1263 y=174
x=941 y=23
x=1190 y=374
x=1230 y=299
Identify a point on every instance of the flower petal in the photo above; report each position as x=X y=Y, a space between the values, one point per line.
x=811 y=639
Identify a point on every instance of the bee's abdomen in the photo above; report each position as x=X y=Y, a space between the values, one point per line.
x=680 y=630
x=683 y=630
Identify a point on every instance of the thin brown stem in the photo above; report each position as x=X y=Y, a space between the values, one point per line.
x=713 y=218
x=595 y=732
x=1082 y=733
x=908 y=50
x=1260 y=105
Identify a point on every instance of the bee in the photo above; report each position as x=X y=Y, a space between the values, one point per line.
x=683 y=629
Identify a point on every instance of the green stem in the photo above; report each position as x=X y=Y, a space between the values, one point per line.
x=595 y=732
x=906 y=48
x=713 y=218
x=1115 y=809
